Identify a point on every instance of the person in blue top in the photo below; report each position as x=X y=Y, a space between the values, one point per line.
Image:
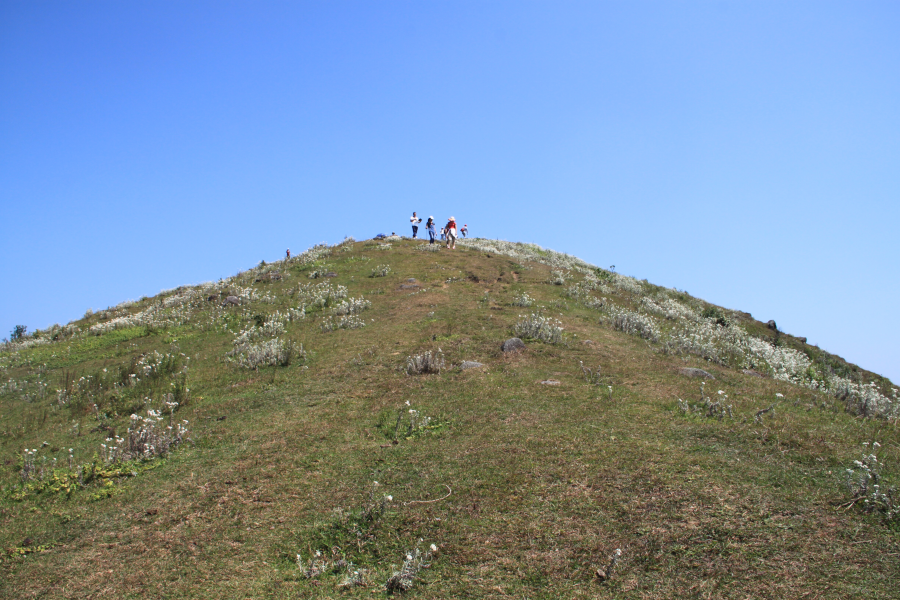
x=429 y=227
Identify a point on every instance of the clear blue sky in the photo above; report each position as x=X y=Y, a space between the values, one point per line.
x=748 y=152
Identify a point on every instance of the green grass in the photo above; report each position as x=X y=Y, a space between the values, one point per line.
x=525 y=488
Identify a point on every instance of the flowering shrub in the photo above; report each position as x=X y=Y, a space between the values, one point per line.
x=27 y=391
x=272 y=353
x=724 y=346
x=866 y=484
x=627 y=284
x=427 y=362
x=26 y=341
x=179 y=306
x=595 y=303
x=381 y=271
x=28 y=467
x=717 y=410
x=172 y=310
x=864 y=399
x=634 y=323
x=269 y=329
x=313 y=254
x=669 y=308
x=86 y=388
x=538 y=327
x=154 y=365
x=417 y=422
x=557 y=277
x=147 y=437
x=352 y=306
x=354 y=577
x=713 y=337
x=592 y=377
x=522 y=299
x=316 y=566
x=408 y=423
x=403 y=579
x=56 y=479
x=345 y=322
x=528 y=252
x=355 y=527
x=314 y=296
x=713 y=313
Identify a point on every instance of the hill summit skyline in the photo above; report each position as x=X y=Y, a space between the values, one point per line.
x=386 y=417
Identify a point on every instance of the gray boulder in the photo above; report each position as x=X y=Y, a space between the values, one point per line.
x=513 y=345
x=232 y=301
x=469 y=364
x=696 y=373
x=771 y=325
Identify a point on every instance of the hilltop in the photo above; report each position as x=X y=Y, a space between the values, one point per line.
x=346 y=423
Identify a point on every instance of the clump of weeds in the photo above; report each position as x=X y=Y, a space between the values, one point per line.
x=869 y=489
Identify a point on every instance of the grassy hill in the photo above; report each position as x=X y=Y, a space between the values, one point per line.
x=304 y=429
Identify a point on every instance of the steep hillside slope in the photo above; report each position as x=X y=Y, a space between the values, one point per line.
x=317 y=428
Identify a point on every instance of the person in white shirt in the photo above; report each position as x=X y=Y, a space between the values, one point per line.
x=415 y=224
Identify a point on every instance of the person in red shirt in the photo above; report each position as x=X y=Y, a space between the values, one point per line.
x=451 y=233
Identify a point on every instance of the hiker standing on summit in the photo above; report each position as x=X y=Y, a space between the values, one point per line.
x=415 y=224
x=451 y=233
x=429 y=227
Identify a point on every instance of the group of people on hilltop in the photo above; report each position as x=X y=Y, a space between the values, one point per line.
x=448 y=232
